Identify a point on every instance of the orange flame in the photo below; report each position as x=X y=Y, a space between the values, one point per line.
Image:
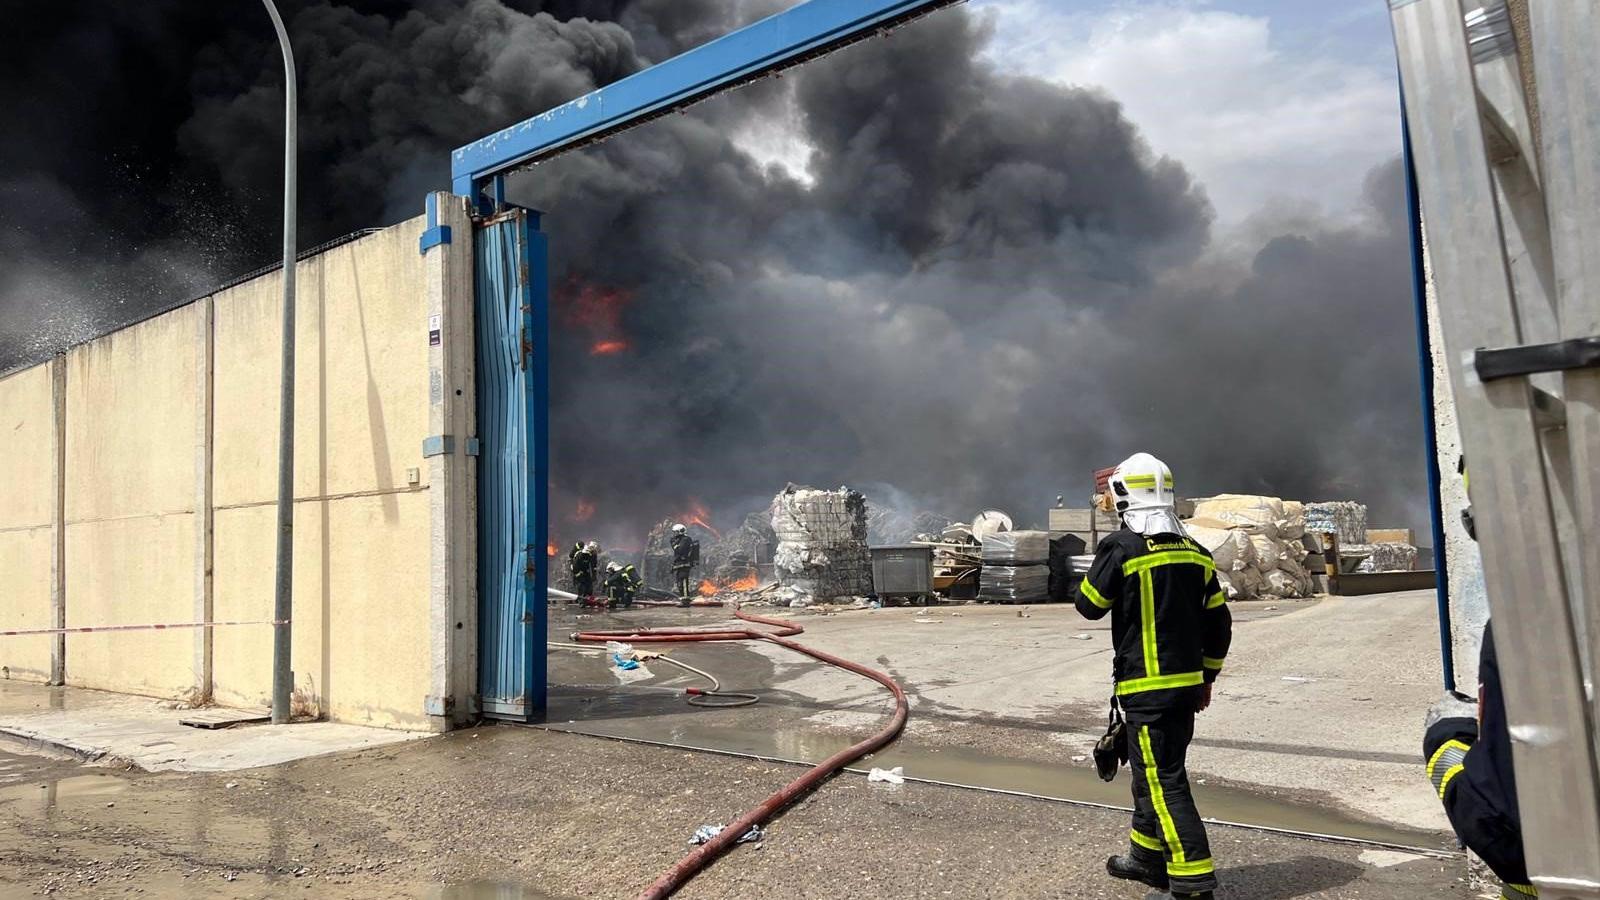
x=697 y=514
x=551 y=549
x=608 y=348
x=707 y=589
x=585 y=510
x=748 y=583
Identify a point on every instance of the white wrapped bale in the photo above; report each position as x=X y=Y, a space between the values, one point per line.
x=1230 y=549
x=1268 y=552
x=1017 y=548
x=1250 y=513
x=1346 y=518
x=1389 y=556
x=1014 y=584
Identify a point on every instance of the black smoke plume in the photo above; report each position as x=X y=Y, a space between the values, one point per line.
x=985 y=287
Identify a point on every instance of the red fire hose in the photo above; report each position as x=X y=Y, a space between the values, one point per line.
x=701 y=856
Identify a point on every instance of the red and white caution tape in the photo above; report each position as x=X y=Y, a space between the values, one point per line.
x=98 y=628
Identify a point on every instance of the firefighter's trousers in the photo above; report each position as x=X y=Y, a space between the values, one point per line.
x=1167 y=830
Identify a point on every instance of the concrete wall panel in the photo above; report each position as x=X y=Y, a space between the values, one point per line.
x=361 y=616
x=361 y=374
x=132 y=571
x=27 y=513
x=133 y=412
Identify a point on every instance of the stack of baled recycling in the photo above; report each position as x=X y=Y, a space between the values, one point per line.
x=1016 y=567
x=1257 y=544
x=1346 y=518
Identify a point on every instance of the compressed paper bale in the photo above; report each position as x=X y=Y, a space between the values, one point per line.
x=1012 y=548
x=1389 y=556
x=1346 y=518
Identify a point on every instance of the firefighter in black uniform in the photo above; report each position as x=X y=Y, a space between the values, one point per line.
x=1469 y=763
x=622 y=585
x=585 y=561
x=685 y=555
x=1171 y=628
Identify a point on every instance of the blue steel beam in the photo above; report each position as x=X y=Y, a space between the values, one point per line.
x=809 y=30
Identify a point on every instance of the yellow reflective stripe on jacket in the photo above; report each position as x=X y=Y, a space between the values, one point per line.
x=1147 y=624
x=1519 y=891
x=1168 y=558
x=1160 y=683
x=1146 y=841
x=1448 y=755
x=1190 y=869
x=1217 y=599
x=1210 y=663
x=1094 y=596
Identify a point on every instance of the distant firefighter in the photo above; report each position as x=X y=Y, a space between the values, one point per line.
x=622 y=585
x=685 y=556
x=585 y=562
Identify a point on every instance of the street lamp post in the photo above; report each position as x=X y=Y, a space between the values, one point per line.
x=282 y=677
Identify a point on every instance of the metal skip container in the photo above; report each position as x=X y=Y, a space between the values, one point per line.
x=902 y=571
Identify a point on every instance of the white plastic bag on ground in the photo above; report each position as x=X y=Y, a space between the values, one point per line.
x=896 y=775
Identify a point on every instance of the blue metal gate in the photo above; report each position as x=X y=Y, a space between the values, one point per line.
x=512 y=257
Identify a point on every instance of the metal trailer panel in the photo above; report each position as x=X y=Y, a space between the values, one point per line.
x=513 y=375
x=902 y=571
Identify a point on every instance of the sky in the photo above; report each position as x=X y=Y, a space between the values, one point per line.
x=1273 y=104
x=961 y=266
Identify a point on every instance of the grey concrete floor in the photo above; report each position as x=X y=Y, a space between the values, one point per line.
x=512 y=812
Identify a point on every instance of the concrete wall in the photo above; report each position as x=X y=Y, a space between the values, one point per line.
x=170 y=435
x=134 y=410
x=27 y=520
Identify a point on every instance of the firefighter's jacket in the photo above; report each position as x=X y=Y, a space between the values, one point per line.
x=623 y=584
x=583 y=563
x=1470 y=767
x=1170 y=623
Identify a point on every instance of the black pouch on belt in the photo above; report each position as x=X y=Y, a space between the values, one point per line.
x=1111 y=751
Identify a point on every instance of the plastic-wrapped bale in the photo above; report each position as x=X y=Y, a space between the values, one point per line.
x=1242 y=584
x=1017 y=548
x=1254 y=514
x=1346 y=518
x=1230 y=550
x=1014 y=584
x=1389 y=556
x=822 y=542
x=1268 y=552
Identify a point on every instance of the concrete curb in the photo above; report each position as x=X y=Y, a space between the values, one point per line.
x=36 y=742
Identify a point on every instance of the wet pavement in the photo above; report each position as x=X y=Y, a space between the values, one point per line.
x=524 y=813
x=505 y=812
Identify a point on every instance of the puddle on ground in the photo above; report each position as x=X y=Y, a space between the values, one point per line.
x=1076 y=783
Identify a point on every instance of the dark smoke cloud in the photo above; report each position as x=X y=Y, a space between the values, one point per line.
x=987 y=287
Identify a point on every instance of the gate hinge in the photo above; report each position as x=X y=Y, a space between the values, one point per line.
x=1533 y=359
x=438 y=445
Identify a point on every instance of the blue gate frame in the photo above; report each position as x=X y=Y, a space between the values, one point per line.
x=513 y=305
x=512 y=282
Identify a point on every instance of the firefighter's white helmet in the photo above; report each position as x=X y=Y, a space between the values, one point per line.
x=612 y=567
x=1142 y=482
x=593 y=547
x=679 y=529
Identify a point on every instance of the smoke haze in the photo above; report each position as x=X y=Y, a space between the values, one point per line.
x=984 y=287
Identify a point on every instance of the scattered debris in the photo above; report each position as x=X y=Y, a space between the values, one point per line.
x=706 y=832
x=1083 y=636
x=927 y=621
x=895 y=775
